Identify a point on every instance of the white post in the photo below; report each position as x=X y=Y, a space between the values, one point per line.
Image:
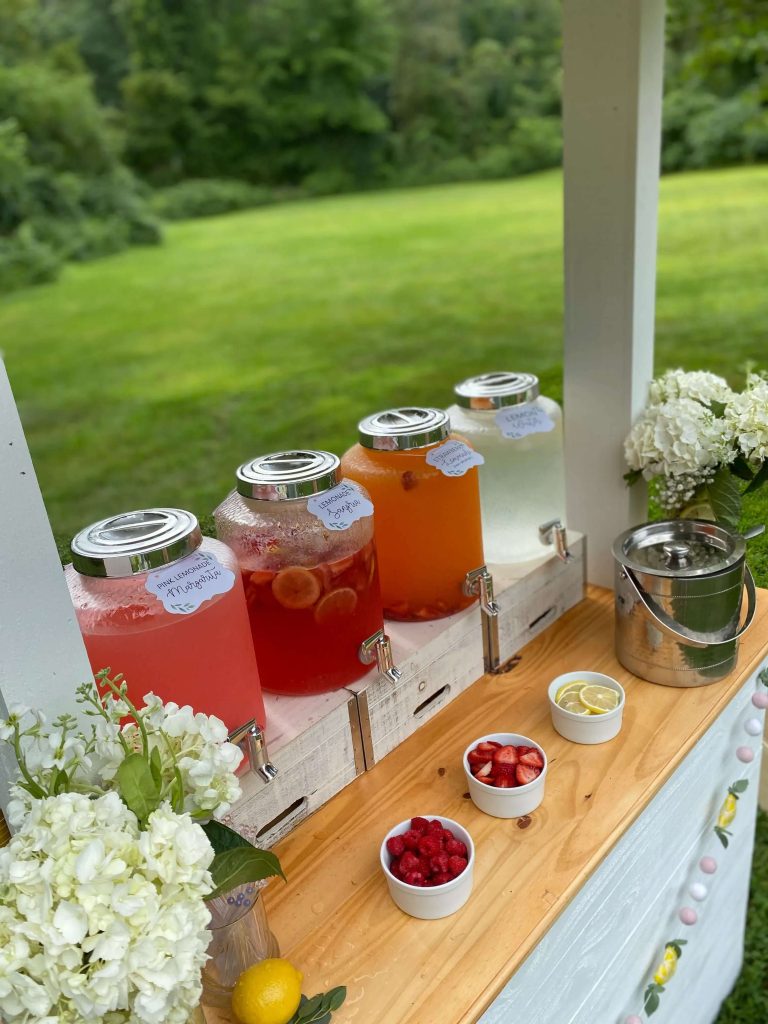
x=42 y=656
x=613 y=54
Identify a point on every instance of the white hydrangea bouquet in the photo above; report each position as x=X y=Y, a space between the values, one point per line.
x=696 y=439
x=103 y=887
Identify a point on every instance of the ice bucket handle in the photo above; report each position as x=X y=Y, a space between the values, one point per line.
x=668 y=625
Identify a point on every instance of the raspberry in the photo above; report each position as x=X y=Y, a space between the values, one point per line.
x=414 y=878
x=430 y=845
x=396 y=846
x=456 y=848
x=411 y=839
x=456 y=865
x=435 y=826
x=419 y=824
x=394 y=867
x=409 y=862
x=439 y=864
x=442 y=878
x=425 y=866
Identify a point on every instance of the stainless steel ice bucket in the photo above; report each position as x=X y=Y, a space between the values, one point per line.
x=679 y=596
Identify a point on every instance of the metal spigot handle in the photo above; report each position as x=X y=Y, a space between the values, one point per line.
x=479 y=583
x=554 y=533
x=251 y=739
x=378 y=648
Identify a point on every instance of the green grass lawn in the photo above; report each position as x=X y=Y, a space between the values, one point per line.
x=146 y=378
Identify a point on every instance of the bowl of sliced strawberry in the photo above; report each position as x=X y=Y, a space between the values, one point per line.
x=429 y=865
x=506 y=773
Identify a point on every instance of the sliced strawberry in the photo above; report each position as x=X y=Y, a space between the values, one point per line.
x=477 y=760
x=486 y=748
x=485 y=771
x=523 y=750
x=508 y=770
x=488 y=780
x=533 y=758
x=505 y=755
x=504 y=782
x=526 y=773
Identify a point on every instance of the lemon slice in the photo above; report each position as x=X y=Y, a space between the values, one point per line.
x=571 y=702
x=575 y=686
x=599 y=699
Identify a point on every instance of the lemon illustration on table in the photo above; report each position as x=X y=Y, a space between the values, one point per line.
x=667 y=967
x=583 y=698
x=267 y=993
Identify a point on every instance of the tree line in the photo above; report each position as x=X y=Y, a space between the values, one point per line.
x=114 y=111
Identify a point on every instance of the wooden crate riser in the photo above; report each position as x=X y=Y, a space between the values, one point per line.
x=439 y=660
x=315 y=743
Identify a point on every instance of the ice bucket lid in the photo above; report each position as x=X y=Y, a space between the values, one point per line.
x=679 y=548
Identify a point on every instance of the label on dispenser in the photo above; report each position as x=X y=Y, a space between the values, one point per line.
x=516 y=421
x=341 y=506
x=454 y=458
x=185 y=585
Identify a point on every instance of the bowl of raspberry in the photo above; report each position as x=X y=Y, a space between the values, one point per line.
x=506 y=773
x=428 y=863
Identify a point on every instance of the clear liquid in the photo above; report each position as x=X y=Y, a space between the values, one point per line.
x=522 y=483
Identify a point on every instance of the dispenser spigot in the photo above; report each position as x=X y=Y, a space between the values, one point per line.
x=378 y=648
x=554 y=533
x=252 y=741
x=479 y=583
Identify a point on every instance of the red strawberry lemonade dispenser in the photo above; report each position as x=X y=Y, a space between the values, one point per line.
x=164 y=606
x=304 y=541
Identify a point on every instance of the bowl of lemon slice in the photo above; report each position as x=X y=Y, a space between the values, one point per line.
x=587 y=707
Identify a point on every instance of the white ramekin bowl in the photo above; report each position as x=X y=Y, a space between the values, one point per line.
x=506 y=803
x=586 y=728
x=431 y=902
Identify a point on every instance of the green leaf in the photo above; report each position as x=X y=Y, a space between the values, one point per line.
x=32 y=788
x=740 y=786
x=741 y=468
x=722 y=835
x=223 y=838
x=137 y=786
x=336 y=997
x=718 y=408
x=651 y=1003
x=632 y=476
x=762 y=677
x=309 y=1010
x=760 y=478
x=156 y=766
x=61 y=782
x=724 y=496
x=240 y=865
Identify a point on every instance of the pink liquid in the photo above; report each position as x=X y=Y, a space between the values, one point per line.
x=205 y=659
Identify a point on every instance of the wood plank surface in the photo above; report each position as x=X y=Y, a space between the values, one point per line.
x=334 y=918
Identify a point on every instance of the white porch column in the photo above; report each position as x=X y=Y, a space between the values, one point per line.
x=42 y=656
x=613 y=60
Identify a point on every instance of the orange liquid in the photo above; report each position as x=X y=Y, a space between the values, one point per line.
x=205 y=659
x=428 y=532
x=308 y=623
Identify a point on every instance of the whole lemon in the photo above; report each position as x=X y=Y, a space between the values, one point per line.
x=267 y=993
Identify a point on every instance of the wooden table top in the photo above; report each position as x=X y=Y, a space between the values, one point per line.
x=334 y=918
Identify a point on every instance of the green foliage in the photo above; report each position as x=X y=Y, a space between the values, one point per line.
x=319 y=1009
x=207 y=197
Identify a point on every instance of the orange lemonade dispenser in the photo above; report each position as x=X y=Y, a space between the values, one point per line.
x=164 y=606
x=423 y=482
x=305 y=546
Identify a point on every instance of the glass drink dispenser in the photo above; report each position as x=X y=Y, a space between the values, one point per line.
x=305 y=545
x=519 y=432
x=423 y=481
x=164 y=606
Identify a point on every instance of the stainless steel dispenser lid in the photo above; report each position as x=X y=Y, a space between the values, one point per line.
x=495 y=390
x=135 y=542
x=401 y=429
x=679 y=548
x=282 y=476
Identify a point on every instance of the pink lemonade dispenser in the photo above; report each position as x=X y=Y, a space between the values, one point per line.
x=164 y=606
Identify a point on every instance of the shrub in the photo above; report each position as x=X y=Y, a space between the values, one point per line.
x=206 y=197
x=25 y=260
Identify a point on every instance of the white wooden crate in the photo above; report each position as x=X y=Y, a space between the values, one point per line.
x=315 y=744
x=440 y=659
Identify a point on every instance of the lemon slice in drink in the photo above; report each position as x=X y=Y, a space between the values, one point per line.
x=599 y=699
x=574 y=687
x=571 y=702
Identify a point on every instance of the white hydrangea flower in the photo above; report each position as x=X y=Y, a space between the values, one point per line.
x=747 y=418
x=99 y=921
x=677 y=438
x=700 y=385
